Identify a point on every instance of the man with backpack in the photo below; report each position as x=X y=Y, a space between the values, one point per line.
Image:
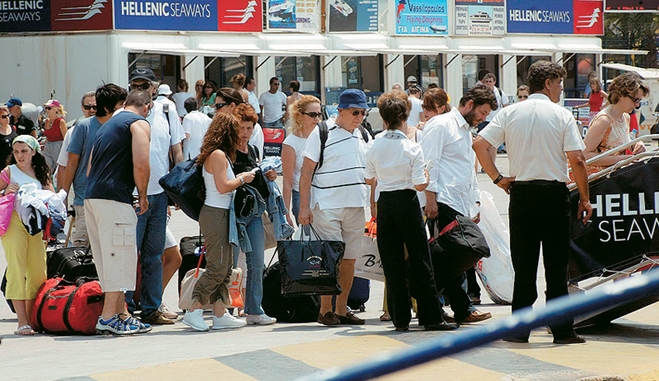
x=333 y=193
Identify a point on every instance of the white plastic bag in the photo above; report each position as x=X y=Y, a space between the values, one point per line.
x=496 y=272
x=368 y=264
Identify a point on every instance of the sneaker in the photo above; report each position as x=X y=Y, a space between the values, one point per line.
x=262 y=319
x=227 y=321
x=115 y=325
x=195 y=320
x=141 y=327
x=166 y=312
x=156 y=318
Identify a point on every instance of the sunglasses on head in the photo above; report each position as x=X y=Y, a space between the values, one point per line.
x=522 y=96
x=313 y=114
x=357 y=112
x=89 y=107
x=144 y=86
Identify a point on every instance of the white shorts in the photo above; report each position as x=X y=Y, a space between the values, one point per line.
x=344 y=224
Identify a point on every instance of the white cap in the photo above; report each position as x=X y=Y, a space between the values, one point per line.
x=411 y=78
x=164 y=89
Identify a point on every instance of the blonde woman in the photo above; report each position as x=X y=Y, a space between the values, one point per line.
x=238 y=83
x=306 y=114
x=54 y=131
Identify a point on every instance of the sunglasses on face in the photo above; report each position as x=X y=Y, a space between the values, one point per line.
x=313 y=114
x=47 y=108
x=357 y=112
x=522 y=96
x=144 y=86
x=220 y=105
x=208 y=87
x=198 y=85
x=636 y=100
x=4 y=116
x=89 y=107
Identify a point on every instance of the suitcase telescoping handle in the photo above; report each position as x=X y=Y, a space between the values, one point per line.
x=201 y=257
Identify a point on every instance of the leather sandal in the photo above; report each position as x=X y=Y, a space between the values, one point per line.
x=24 y=330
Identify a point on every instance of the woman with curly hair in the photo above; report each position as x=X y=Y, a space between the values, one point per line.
x=25 y=253
x=54 y=131
x=217 y=153
x=238 y=83
x=305 y=115
x=610 y=127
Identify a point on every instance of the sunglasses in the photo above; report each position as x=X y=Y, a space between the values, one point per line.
x=4 y=116
x=522 y=96
x=47 y=108
x=220 y=105
x=144 y=86
x=208 y=87
x=198 y=85
x=357 y=112
x=313 y=114
x=636 y=100
x=89 y=107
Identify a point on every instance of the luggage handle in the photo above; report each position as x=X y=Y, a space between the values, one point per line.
x=201 y=257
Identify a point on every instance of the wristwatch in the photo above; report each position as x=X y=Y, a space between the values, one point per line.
x=242 y=182
x=498 y=179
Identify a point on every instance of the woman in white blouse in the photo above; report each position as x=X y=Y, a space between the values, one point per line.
x=398 y=166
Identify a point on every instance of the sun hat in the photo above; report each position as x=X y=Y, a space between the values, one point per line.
x=352 y=98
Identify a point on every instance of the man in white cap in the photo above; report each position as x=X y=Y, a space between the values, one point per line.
x=411 y=81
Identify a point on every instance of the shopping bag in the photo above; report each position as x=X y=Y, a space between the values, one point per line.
x=6 y=206
x=184 y=184
x=310 y=267
x=234 y=288
x=368 y=264
x=269 y=230
x=190 y=279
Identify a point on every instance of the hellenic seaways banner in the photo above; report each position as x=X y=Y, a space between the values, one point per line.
x=166 y=15
x=555 y=16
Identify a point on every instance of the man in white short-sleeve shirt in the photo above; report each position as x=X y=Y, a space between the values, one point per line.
x=273 y=105
x=541 y=137
x=333 y=196
x=195 y=125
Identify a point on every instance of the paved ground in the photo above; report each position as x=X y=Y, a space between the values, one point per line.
x=627 y=349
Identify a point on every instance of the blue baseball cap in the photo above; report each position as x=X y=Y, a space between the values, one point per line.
x=14 y=102
x=352 y=98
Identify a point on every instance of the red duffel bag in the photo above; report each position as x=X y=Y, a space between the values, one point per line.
x=64 y=307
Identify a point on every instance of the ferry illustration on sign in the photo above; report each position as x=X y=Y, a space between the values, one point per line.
x=480 y=18
x=342 y=7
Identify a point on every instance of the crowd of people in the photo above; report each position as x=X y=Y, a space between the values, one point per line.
x=420 y=170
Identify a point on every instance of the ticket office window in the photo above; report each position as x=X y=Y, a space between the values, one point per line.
x=473 y=66
x=578 y=67
x=305 y=70
x=165 y=67
x=221 y=69
x=427 y=69
x=363 y=73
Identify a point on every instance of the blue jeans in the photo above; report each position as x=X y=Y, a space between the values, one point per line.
x=277 y=123
x=295 y=203
x=255 y=265
x=151 y=228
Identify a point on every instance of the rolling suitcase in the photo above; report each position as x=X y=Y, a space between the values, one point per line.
x=298 y=309
x=71 y=263
x=190 y=250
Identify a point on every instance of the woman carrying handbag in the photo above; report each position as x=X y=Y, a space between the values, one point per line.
x=218 y=149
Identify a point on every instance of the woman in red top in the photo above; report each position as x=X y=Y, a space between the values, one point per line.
x=596 y=99
x=54 y=131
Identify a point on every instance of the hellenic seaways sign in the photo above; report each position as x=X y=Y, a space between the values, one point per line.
x=165 y=15
x=555 y=17
x=25 y=16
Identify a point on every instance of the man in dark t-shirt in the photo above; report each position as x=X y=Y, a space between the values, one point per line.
x=22 y=124
x=118 y=164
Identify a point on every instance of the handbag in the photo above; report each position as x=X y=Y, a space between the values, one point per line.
x=458 y=247
x=368 y=265
x=235 y=283
x=310 y=267
x=244 y=200
x=190 y=279
x=184 y=184
x=269 y=230
x=6 y=206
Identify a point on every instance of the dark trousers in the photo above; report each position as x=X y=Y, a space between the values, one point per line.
x=452 y=288
x=400 y=225
x=539 y=214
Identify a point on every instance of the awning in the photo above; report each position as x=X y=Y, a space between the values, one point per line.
x=360 y=44
x=594 y=49
x=174 y=49
x=644 y=73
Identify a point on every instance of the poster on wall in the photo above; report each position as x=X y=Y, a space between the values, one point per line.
x=25 y=16
x=480 y=17
x=292 y=15
x=353 y=15
x=555 y=17
x=421 y=17
x=239 y=16
x=165 y=15
x=632 y=5
x=76 y=15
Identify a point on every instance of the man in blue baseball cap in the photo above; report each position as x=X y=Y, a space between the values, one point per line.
x=334 y=194
x=22 y=124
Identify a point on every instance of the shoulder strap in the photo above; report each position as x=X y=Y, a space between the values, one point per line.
x=323 y=131
x=365 y=134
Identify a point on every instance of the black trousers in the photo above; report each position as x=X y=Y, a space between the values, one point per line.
x=539 y=214
x=452 y=288
x=400 y=225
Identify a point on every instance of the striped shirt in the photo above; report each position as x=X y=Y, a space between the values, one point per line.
x=339 y=183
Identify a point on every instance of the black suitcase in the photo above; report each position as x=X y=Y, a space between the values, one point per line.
x=359 y=294
x=71 y=263
x=190 y=250
x=299 y=309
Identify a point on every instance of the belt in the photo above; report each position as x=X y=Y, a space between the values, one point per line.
x=539 y=182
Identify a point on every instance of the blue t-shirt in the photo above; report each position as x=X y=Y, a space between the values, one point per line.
x=111 y=173
x=82 y=141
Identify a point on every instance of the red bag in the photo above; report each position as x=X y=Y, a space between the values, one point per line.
x=63 y=307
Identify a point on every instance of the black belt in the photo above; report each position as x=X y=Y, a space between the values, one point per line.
x=539 y=182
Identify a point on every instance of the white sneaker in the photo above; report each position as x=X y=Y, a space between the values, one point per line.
x=195 y=320
x=227 y=321
x=262 y=319
x=169 y=314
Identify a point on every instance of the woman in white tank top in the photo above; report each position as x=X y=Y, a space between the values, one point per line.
x=26 y=254
x=213 y=285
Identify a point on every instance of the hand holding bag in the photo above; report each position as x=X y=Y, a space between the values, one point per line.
x=6 y=206
x=458 y=246
x=310 y=267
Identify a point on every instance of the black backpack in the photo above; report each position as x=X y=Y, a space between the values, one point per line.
x=323 y=130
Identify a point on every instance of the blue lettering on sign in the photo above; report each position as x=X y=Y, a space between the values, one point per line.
x=540 y=16
x=166 y=15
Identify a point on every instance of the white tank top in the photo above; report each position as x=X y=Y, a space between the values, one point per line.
x=213 y=197
x=20 y=178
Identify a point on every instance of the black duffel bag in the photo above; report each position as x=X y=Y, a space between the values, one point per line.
x=71 y=263
x=299 y=309
x=457 y=247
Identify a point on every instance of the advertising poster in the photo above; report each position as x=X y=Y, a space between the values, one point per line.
x=480 y=18
x=25 y=16
x=165 y=15
x=555 y=17
x=421 y=17
x=293 y=15
x=353 y=15
x=74 y=15
x=239 y=16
